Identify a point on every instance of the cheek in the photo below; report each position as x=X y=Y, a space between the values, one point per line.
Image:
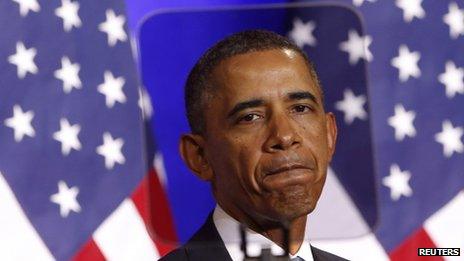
x=315 y=134
x=246 y=155
x=249 y=168
x=234 y=165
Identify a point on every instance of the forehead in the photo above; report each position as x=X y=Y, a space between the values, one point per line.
x=269 y=72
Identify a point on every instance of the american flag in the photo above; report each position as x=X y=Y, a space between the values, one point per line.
x=74 y=182
x=393 y=73
x=415 y=59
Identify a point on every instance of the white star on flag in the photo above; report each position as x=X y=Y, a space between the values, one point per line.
x=112 y=89
x=68 y=12
x=450 y=138
x=398 y=182
x=111 y=150
x=24 y=60
x=67 y=135
x=66 y=199
x=69 y=74
x=453 y=79
x=406 y=62
x=411 y=9
x=357 y=47
x=360 y=2
x=455 y=20
x=402 y=122
x=21 y=123
x=352 y=106
x=27 y=5
x=302 y=33
x=113 y=27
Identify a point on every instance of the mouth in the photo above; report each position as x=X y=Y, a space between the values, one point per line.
x=282 y=177
x=286 y=168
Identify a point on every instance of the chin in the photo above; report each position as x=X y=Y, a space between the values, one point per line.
x=294 y=203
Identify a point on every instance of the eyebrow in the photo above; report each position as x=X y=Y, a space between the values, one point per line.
x=303 y=95
x=245 y=105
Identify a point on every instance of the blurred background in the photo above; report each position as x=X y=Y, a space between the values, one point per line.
x=91 y=108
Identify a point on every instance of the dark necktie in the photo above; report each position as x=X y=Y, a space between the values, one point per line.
x=297 y=259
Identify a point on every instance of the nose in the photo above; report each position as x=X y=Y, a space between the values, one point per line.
x=282 y=134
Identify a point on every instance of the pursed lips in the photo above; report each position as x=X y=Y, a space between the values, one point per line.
x=280 y=177
x=285 y=168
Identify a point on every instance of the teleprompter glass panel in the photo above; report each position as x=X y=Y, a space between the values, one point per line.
x=172 y=41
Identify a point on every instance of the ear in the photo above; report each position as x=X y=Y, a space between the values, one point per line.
x=191 y=148
x=331 y=126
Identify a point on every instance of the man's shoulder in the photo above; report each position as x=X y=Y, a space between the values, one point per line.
x=199 y=251
x=321 y=255
x=204 y=245
x=178 y=254
x=181 y=254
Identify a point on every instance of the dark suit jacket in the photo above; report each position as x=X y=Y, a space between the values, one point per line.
x=207 y=245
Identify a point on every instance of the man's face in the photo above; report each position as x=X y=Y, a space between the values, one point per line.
x=268 y=141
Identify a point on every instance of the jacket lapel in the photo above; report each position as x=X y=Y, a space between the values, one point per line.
x=206 y=244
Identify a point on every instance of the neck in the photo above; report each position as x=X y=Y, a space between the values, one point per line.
x=296 y=229
x=274 y=230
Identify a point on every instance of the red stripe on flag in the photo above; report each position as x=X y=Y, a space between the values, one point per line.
x=89 y=252
x=152 y=204
x=408 y=250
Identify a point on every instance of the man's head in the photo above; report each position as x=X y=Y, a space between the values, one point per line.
x=200 y=82
x=259 y=130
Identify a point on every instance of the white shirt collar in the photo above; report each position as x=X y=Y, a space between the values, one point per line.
x=228 y=229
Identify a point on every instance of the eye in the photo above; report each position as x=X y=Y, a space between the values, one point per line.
x=300 y=108
x=249 y=118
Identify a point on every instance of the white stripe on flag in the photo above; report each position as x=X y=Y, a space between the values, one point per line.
x=336 y=216
x=18 y=238
x=446 y=226
x=158 y=164
x=362 y=248
x=123 y=235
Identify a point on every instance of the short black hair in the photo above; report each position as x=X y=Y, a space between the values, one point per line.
x=199 y=80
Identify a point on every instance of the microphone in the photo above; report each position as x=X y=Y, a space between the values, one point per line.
x=266 y=254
